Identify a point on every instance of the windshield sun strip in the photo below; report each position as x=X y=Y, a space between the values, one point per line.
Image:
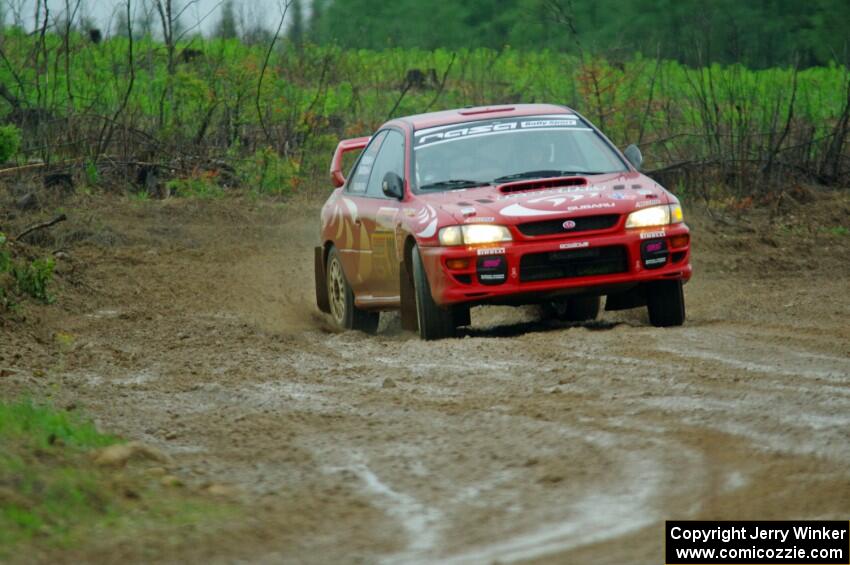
x=475 y=136
x=425 y=131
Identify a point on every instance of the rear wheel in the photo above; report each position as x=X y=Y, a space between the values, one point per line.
x=435 y=322
x=576 y=309
x=665 y=302
x=341 y=300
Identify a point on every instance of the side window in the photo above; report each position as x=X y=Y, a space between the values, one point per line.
x=390 y=159
x=358 y=181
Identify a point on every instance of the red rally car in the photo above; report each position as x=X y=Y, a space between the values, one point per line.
x=527 y=204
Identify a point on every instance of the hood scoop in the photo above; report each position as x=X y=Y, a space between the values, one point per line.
x=539 y=184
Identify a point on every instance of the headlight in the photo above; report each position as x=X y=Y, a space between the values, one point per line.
x=451 y=235
x=655 y=216
x=474 y=234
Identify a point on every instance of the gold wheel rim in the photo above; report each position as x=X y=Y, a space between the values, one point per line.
x=336 y=291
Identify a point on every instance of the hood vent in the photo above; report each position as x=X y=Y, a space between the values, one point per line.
x=538 y=184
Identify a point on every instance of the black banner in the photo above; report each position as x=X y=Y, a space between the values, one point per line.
x=754 y=542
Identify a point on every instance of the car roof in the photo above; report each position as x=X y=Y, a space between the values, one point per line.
x=475 y=113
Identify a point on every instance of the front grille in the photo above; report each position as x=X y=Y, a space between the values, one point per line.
x=552 y=227
x=573 y=263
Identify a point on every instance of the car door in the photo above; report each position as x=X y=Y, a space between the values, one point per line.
x=380 y=217
x=354 y=244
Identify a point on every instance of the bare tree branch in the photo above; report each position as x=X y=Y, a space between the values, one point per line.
x=442 y=83
x=41 y=226
x=563 y=13
x=263 y=70
x=192 y=28
x=109 y=127
x=70 y=15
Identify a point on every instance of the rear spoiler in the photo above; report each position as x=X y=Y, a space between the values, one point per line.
x=346 y=145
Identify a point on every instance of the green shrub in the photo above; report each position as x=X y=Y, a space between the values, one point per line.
x=33 y=279
x=10 y=142
x=92 y=176
x=196 y=186
x=30 y=279
x=142 y=196
x=266 y=172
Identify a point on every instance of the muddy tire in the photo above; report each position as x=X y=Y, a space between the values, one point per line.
x=665 y=302
x=341 y=300
x=435 y=322
x=577 y=309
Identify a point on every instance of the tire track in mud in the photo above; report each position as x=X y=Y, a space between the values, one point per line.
x=756 y=359
x=544 y=539
x=482 y=409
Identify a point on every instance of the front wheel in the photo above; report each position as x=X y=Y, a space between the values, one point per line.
x=665 y=302
x=434 y=322
x=345 y=314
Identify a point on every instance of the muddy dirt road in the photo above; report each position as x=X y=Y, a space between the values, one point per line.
x=193 y=329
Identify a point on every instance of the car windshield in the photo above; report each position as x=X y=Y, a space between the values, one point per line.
x=479 y=153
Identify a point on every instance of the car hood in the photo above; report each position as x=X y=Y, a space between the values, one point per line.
x=529 y=200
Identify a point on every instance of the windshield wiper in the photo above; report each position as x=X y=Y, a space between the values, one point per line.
x=543 y=174
x=454 y=183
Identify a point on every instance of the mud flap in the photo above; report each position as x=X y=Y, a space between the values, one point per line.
x=321 y=280
x=407 y=294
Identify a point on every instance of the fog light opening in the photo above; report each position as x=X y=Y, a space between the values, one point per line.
x=680 y=240
x=457 y=264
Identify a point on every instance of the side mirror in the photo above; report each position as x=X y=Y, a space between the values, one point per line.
x=634 y=156
x=393 y=186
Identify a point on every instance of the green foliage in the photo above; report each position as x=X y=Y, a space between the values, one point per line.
x=266 y=172
x=53 y=496
x=756 y=33
x=312 y=96
x=196 y=186
x=10 y=142
x=40 y=426
x=92 y=176
x=45 y=499
x=32 y=279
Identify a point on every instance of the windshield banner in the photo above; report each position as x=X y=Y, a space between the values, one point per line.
x=444 y=134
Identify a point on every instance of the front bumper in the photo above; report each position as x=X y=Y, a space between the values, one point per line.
x=455 y=284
